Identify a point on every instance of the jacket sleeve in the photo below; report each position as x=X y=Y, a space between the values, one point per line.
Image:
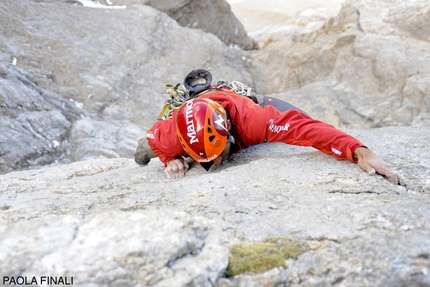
x=254 y=125
x=294 y=127
x=164 y=142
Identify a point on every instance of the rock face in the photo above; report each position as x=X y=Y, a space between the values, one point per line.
x=79 y=87
x=111 y=222
x=104 y=69
x=184 y=251
x=107 y=65
x=352 y=70
x=213 y=16
x=33 y=120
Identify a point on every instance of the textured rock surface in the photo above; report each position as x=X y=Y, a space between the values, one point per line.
x=212 y=16
x=81 y=85
x=34 y=122
x=351 y=70
x=110 y=222
x=118 y=249
x=107 y=66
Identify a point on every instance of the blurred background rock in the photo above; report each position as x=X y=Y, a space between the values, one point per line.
x=79 y=82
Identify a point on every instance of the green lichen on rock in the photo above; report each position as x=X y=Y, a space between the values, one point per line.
x=261 y=256
x=290 y=247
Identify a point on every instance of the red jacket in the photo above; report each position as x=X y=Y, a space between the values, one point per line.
x=253 y=124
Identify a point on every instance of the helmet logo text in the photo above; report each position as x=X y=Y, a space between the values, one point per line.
x=191 y=131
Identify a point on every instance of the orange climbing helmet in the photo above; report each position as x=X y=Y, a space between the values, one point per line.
x=201 y=125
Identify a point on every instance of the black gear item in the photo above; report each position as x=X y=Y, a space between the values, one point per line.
x=197 y=81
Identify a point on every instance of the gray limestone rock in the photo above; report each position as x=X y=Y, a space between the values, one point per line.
x=158 y=248
x=86 y=82
x=79 y=86
x=111 y=222
x=214 y=17
x=348 y=70
x=34 y=121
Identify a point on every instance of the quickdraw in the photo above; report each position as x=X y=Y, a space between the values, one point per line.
x=237 y=87
x=178 y=96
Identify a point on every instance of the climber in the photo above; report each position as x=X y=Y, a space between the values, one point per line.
x=220 y=122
